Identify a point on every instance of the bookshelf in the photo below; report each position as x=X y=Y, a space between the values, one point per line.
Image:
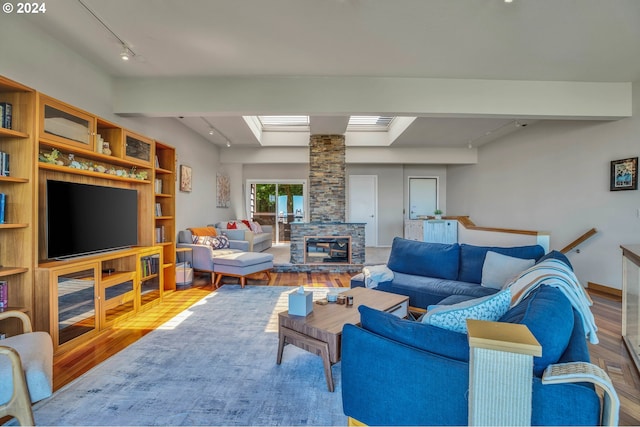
x=16 y=231
x=165 y=192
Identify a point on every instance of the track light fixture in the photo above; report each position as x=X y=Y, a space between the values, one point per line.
x=126 y=53
x=213 y=131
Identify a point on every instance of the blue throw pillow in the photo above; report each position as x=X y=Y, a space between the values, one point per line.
x=424 y=259
x=549 y=316
x=415 y=334
x=454 y=317
x=472 y=258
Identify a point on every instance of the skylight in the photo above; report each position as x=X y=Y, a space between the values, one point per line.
x=380 y=123
x=275 y=122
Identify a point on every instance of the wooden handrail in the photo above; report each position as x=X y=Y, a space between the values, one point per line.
x=579 y=240
x=469 y=225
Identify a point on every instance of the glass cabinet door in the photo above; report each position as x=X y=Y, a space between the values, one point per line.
x=76 y=294
x=150 y=279
x=138 y=149
x=62 y=123
x=631 y=303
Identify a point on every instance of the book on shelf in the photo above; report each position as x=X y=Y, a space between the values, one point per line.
x=4 y=163
x=4 y=294
x=158 y=209
x=158 y=183
x=6 y=115
x=150 y=265
x=157 y=161
x=3 y=204
x=160 y=237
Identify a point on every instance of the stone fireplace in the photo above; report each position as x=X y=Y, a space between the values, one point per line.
x=327 y=209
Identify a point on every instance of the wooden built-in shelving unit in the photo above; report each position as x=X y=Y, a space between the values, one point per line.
x=42 y=124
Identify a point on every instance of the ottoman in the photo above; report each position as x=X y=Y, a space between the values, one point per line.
x=241 y=264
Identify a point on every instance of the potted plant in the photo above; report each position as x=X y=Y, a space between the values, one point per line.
x=438 y=213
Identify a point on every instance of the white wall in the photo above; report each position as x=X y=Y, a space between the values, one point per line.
x=38 y=61
x=554 y=176
x=390 y=198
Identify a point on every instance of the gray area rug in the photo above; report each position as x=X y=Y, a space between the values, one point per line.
x=214 y=364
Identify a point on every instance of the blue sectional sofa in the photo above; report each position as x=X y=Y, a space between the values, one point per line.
x=402 y=372
x=405 y=372
x=430 y=272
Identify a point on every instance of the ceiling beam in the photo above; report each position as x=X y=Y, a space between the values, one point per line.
x=421 y=97
x=328 y=125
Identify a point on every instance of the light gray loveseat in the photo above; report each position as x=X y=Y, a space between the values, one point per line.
x=203 y=255
x=258 y=242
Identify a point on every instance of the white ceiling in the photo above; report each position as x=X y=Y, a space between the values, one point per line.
x=541 y=40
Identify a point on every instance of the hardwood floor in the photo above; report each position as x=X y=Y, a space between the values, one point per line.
x=610 y=354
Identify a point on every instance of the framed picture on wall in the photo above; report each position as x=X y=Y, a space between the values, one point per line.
x=223 y=191
x=624 y=174
x=185 y=178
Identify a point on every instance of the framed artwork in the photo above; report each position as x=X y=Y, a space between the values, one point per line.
x=185 y=178
x=223 y=191
x=624 y=174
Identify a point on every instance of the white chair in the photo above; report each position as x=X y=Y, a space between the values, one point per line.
x=26 y=370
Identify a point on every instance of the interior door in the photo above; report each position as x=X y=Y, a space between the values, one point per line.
x=363 y=205
x=423 y=196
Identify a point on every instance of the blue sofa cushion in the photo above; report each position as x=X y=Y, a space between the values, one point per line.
x=424 y=259
x=425 y=291
x=556 y=255
x=549 y=316
x=415 y=334
x=472 y=258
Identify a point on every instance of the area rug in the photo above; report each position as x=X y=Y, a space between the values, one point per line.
x=214 y=364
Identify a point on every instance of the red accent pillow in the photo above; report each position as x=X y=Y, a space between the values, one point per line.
x=247 y=223
x=232 y=226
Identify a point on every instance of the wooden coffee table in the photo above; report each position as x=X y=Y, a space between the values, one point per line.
x=321 y=331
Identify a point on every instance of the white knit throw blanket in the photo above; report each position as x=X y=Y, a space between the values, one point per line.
x=553 y=272
x=374 y=274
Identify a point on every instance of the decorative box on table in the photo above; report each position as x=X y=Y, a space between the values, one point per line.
x=300 y=302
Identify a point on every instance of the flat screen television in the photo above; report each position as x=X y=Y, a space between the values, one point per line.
x=83 y=219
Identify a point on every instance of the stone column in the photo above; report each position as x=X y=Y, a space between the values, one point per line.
x=327 y=178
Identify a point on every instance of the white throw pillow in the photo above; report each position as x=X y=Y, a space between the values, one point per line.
x=454 y=317
x=498 y=269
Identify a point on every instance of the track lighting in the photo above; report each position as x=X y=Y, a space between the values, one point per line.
x=228 y=144
x=210 y=131
x=126 y=53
